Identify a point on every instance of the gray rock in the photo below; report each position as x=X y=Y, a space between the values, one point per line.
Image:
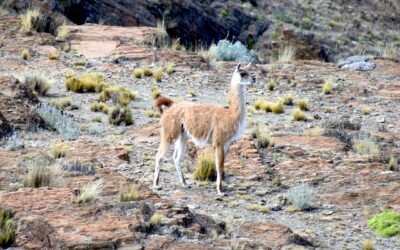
x=359 y=63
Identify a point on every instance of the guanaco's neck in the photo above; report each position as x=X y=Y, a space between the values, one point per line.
x=238 y=101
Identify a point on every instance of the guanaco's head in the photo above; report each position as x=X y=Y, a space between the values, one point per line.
x=242 y=77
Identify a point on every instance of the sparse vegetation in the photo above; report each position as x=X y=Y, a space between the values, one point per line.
x=150 y=113
x=192 y=93
x=99 y=107
x=288 y=100
x=327 y=87
x=386 y=223
x=37 y=84
x=367 y=147
x=25 y=54
x=30 y=20
x=227 y=51
x=302 y=104
x=170 y=68
x=258 y=208
x=125 y=195
x=39 y=174
x=90 y=82
x=365 y=110
x=147 y=71
x=271 y=85
x=95 y=129
x=34 y=20
x=278 y=107
x=393 y=164
x=161 y=39
x=368 y=245
x=53 y=56
x=90 y=192
x=61 y=104
x=7 y=228
x=62 y=32
x=298 y=115
x=205 y=169
x=60 y=150
x=121 y=115
x=155 y=92
x=208 y=55
x=138 y=73
x=287 y=54
x=156 y=219
x=301 y=196
x=263 y=140
x=157 y=74
x=117 y=94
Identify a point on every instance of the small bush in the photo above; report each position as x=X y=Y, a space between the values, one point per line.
x=298 y=115
x=117 y=94
x=301 y=196
x=63 y=32
x=176 y=45
x=259 y=208
x=147 y=71
x=155 y=92
x=386 y=223
x=39 y=175
x=205 y=169
x=128 y=195
x=307 y=22
x=53 y=56
x=99 y=107
x=278 y=107
x=288 y=100
x=208 y=55
x=90 y=82
x=263 y=140
x=192 y=93
x=37 y=84
x=90 y=192
x=327 y=87
x=7 y=228
x=59 y=121
x=121 y=115
x=287 y=54
x=258 y=104
x=150 y=113
x=367 y=147
x=227 y=51
x=271 y=85
x=393 y=164
x=60 y=150
x=138 y=73
x=30 y=20
x=97 y=119
x=70 y=74
x=156 y=219
x=61 y=104
x=25 y=54
x=302 y=104
x=170 y=68
x=34 y=20
x=368 y=245
x=365 y=111
x=157 y=74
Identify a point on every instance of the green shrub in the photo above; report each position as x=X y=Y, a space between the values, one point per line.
x=227 y=51
x=386 y=223
x=128 y=195
x=205 y=169
x=7 y=228
x=121 y=115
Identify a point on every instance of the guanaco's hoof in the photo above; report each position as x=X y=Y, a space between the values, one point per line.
x=157 y=187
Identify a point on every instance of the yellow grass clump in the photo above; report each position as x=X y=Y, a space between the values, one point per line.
x=205 y=169
x=90 y=82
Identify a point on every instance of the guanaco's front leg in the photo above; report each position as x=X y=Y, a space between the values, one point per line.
x=219 y=161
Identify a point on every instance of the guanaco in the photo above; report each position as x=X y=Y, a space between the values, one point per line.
x=203 y=124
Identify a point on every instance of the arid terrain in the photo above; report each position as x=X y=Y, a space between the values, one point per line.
x=345 y=151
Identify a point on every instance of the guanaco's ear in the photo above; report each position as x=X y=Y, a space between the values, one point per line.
x=247 y=66
x=238 y=67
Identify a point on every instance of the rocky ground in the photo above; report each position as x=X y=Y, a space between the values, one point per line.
x=351 y=187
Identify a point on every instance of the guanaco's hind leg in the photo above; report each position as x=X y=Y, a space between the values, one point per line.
x=162 y=150
x=180 y=146
x=219 y=161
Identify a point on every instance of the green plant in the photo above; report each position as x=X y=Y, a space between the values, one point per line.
x=7 y=228
x=278 y=107
x=150 y=113
x=263 y=140
x=302 y=104
x=192 y=93
x=307 y=22
x=327 y=87
x=121 y=115
x=90 y=82
x=62 y=32
x=60 y=150
x=170 y=68
x=117 y=94
x=128 y=195
x=368 y=245
x=205 y=169
x=157 y=74
x=156 y=219
x=301 y=196
x=138 y=73
x=61 y=104
x=258 y=104
x=90 y=192
x=393 y=164
x=227 y=51
x=387 y=223
x=365 y=110
x=53 y=56
x=147 y=71
x=30 y=20
x=259 y=208
x=37 y=84
x=25 y=54
x=99 y=106
x=288 y=100
x=367 y=147
x=155 y=92
x=298 y=115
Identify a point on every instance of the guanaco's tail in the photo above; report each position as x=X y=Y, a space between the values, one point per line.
x=163 y=101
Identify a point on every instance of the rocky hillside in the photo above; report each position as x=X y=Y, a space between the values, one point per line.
x=79 y=133
x=327 y=30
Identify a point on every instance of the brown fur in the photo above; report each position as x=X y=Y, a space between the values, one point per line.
x=163 y=101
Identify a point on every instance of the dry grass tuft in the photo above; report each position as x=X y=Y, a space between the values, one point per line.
x=121 y=115
x=90 y=82
x=117 y=94
x=39 y=175
x=327 y=87
x=7 y=228
x=60 y=150
x=367 y=147
x=278 y=107
x=258 y=208
x=99 y=107
x=155 y=92
x=128 y=195
x=205 y=169
x=156 y=219
x=37 y=84
x=90 y=192
x=25 y=54
x=287 y=54
x=147 y=71
x=157 y=74
x=30 y=20
x=62 y=33
x=138 y=73
x=298 y=115
x=170 y=68
x=302 y=104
